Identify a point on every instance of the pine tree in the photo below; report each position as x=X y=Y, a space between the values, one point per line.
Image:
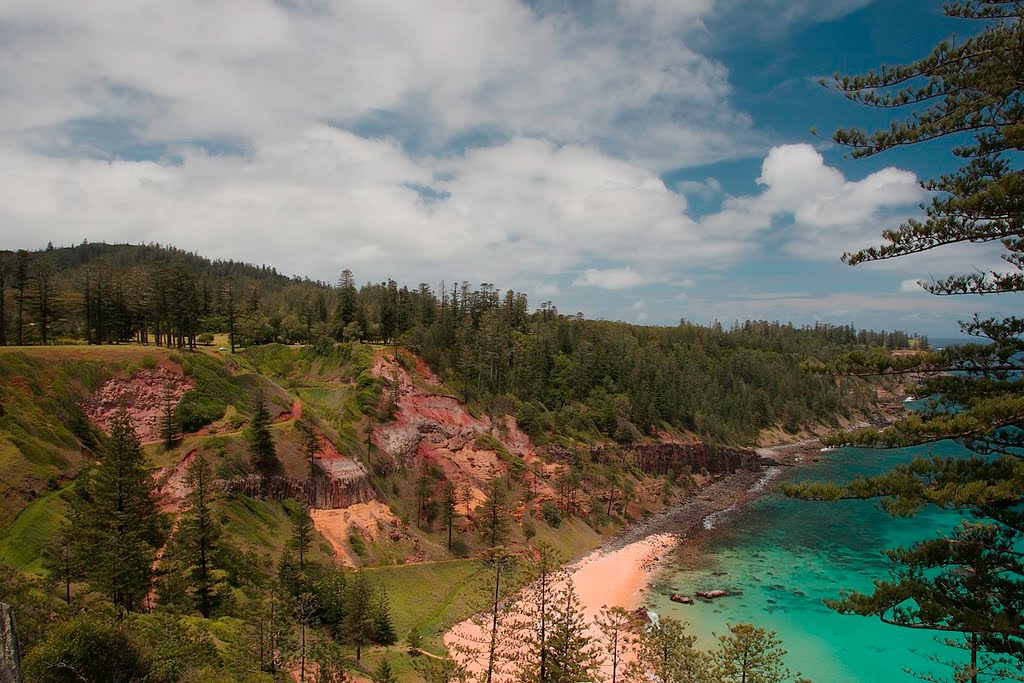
x=424 y=488
x=573 y=653
x=954 y=586
x=383 y=673
x=748 y=654
x=614 y=624
x=42 y=276
x=304 y=607
x=293 y=566
x=495 y=513
x=261 y=441
x=3 y=299
x=535 y=608
x=383 y=629
x=448 y=510
x=310 y=446
x=21 y=273
x=665 y=653
x=968 y=88
x=201 y=533
x=119 y=526
x=168 y=421
x=359 y=624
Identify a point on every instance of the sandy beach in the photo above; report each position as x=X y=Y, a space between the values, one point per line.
x=620 y=572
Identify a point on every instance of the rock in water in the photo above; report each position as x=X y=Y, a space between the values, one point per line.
x=711 y=595
x=684 y=599
x=10 y=657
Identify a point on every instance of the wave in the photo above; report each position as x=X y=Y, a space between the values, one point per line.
x=765 y=479
x=709 y=522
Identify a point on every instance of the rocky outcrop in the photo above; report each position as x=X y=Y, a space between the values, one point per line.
x=324 y=493
x=142 y=394
x=432 y=428
x=10 y=656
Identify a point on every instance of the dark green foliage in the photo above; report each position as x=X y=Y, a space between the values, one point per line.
x=573 y=652
x=261 y=441
x=117 y=526
x=330 y=586
x=748 y=654
x=383 y=673
x=168 y=421
x=215 y=389
x=87 y=651
x=383 y=629
x=201 y=535
x=552 y=515
x=665 y=653
x=359 y=625
x=969 y=88
x=494 y=514
x=966 y=586
x=564 y=374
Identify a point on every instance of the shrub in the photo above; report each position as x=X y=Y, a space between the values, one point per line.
x=552 y=515
x=86 y=650
x=459 y=548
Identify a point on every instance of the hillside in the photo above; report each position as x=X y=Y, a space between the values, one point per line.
x=478 y=426
x=390 y=437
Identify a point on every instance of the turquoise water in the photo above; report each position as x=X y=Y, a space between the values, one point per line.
x=781 y=557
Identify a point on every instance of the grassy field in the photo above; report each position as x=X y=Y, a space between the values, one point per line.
x=435 y=595
x=22 y=543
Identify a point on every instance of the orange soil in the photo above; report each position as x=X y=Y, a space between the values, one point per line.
x=371 y=519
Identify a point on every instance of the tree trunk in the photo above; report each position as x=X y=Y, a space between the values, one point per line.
x=10 y=654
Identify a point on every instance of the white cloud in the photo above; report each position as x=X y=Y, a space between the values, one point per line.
x=910 y=285
x=620 y=77
x=610 y=278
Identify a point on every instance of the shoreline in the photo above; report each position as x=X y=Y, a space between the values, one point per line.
x=634 y=557
x=622 y=571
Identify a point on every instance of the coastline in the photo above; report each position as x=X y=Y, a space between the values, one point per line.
x=621 y=571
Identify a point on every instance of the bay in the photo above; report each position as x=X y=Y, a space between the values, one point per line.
x=779 y=558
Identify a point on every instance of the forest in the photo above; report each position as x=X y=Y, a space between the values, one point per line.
x=558 y=373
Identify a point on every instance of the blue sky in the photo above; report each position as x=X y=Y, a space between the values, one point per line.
x=643 y=160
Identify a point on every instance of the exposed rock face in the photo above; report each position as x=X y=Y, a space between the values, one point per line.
x=660 y=458
x=142 y=395
x=432 y=428
x=10 y=656
x=327 y=494
x=369 y=520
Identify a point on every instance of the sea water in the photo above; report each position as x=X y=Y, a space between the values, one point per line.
x=779 y=558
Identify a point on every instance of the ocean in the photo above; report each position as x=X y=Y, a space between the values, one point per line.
x=779 y=558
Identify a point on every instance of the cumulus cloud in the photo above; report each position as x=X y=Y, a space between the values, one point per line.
x=504 y=141
x=620 y=76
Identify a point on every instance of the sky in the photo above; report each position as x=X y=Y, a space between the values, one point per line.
x=637 y=160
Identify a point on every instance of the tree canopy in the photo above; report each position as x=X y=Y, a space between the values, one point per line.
x=969 y=92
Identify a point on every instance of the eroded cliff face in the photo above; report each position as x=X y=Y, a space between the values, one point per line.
x=429 y=427
x=142 y=395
